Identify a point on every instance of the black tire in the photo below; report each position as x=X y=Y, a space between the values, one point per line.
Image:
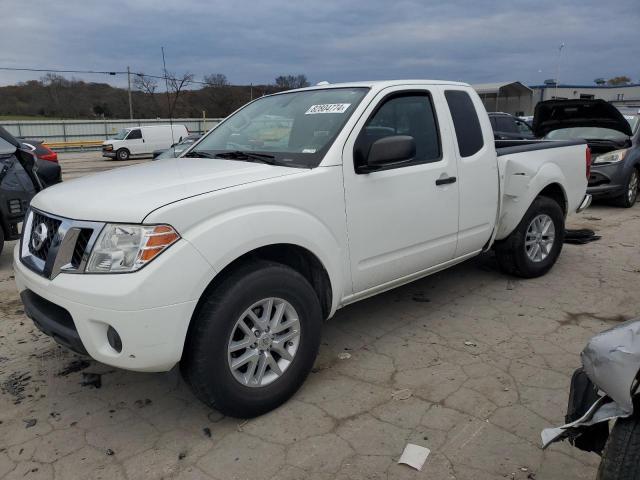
x=621 y=456
x=205 y=360
x=630 y=196
x=511 y=253
x=122 y=154
x=1 y=239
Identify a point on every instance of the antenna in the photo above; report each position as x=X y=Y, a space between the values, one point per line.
x=166 y=86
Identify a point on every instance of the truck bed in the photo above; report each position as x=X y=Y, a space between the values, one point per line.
x=505 y=147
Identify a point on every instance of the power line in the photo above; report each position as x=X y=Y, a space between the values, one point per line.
x=110 y=72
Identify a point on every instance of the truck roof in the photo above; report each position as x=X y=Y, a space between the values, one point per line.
x=380 y=84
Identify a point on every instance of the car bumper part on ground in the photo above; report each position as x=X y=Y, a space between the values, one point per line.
x=586 y=201
x=149 y=312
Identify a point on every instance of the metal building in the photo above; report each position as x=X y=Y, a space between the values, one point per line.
x=510 y=97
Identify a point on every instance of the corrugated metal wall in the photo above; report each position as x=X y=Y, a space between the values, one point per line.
x=78 y=130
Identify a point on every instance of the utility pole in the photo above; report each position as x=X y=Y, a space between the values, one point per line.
x=558 y=68
x=130 y=104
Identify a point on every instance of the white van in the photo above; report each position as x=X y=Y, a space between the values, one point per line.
x=142 y=141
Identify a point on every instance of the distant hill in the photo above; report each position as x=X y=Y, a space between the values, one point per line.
x=62 y=98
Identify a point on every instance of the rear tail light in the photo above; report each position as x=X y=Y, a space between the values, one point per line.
x=588 y=162
x=51 y=157
x=49 y=154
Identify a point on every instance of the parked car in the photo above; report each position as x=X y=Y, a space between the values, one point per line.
x=603 y=390
x=22 y=175
x=614 y=139
x=174 y=151
x=229 y=260
x=142 y=141
x=41 y=150
x=508 y=127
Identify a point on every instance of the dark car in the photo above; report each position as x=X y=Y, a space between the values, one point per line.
x=613 y=136
x=22 y=175
x=177 y=148
x=41 y=150
x=508 y=127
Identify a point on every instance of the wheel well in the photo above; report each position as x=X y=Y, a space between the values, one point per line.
x=555 y=192
x=298 y=258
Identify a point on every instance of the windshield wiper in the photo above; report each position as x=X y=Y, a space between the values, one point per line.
x=241 y=155
x=199 y=154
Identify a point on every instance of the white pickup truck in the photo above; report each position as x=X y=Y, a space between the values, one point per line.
x=228 y=259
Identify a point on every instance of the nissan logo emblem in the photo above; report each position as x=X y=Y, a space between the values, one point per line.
x=39 y=236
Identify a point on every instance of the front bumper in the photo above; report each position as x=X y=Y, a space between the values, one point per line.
x=149 y=309
x=607 y=180
x=109 y=153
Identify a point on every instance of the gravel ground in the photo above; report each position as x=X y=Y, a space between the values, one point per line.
x=468 y=362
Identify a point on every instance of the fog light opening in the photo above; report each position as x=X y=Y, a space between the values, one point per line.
x=114 y=339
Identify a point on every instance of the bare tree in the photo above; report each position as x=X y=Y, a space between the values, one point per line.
x=288 y=82
x=176 y=86
x=145 y=84
x=216 y=80
x=621 y=80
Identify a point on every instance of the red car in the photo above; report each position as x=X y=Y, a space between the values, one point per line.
x=41 y=150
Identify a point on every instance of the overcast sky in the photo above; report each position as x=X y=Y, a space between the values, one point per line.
x=336 y=40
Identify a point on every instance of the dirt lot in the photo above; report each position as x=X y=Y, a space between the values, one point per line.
x=486 y=360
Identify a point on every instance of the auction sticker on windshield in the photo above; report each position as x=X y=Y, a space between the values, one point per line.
x=328 y=108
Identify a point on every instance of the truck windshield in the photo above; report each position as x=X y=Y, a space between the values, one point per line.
x=293 y=129
x=121 y=135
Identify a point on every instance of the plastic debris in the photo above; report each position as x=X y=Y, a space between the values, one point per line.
x=414 y=456
x=403 y=394
x=344 y=356
x=469 y=343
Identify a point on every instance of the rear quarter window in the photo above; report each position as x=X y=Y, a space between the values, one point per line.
x=465 y=122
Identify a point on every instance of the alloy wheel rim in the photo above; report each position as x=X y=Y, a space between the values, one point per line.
x=263 y=343
x=632 y=193
x=540 y=237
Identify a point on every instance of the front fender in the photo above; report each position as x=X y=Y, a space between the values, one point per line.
x=229 y=235
x=521 y=185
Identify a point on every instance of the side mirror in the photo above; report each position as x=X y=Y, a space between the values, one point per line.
x=389 y=151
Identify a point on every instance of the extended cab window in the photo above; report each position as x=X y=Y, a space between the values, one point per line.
x=134 y=134
x=404 y=114
x=465 y=122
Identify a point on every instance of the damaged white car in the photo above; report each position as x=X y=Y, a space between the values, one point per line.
x=606 y=389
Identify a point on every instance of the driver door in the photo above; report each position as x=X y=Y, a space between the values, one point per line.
x=403 y=219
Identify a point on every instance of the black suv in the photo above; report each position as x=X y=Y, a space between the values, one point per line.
x=508 y=127
x=22 y=175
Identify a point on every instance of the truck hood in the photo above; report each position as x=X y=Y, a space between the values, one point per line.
x=129 y=194
x=553 y=115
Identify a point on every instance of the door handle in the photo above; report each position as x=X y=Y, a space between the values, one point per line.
x=445 y=181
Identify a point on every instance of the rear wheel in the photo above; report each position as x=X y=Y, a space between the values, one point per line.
x=254 y=340
x=629 y=197
x=621 y=456
x=534 y=246
x=122 y=154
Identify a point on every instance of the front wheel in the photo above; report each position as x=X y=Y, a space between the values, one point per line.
x=629 y=197
x=122 y=154
x=534 y=246
x=621 y=456
x=254 y=340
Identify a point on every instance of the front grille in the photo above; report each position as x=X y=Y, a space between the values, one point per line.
x=43 y=231
x=81 y=247
x=597 y=179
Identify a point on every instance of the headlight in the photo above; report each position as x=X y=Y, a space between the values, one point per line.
x=611 y=157
x=127 y=248
x=107 y=148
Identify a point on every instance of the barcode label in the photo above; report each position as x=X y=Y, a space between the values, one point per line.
x=328 y=108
